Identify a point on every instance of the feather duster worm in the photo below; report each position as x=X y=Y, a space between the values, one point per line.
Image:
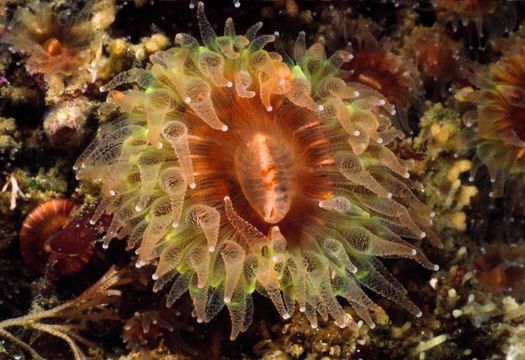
x=498 y=120
x=55 y=242
x=239 y=170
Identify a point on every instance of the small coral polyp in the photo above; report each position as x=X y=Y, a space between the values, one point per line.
x=57 y=45
x=488 y=18
x=499 y=119
x=375 y=65
x=236 y=171
x=145 y=329
x=436 y=55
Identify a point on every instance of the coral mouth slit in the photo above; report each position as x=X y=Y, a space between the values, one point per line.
x=53 y=47
x=265 y=183
x=236 y=172
x=266 y=165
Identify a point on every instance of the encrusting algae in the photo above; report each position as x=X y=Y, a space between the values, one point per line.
x=238 y=170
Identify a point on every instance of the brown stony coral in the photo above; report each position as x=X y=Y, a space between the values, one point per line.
x=498 y=119
x=482 y=20
x=500 y=268
x=375 y=65
x=147 y=329
x=437 y=57
x=237 y=172
x=59 y=45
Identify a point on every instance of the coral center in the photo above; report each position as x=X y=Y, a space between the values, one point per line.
x=263 y=171
x=53 y=47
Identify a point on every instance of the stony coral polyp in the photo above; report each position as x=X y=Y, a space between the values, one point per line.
x=498 y=119
x=58 y=45
x=237 y=169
